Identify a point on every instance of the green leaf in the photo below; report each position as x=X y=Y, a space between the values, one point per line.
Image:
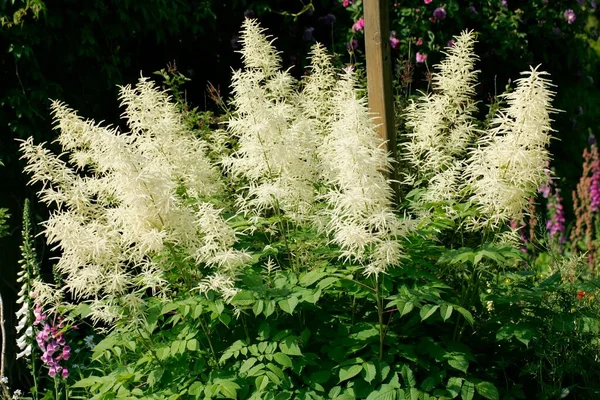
x=192 y=345
x=86 y=382
x=195 y=389
x=454 y=385
x=468 y=391
x=465 y=313
x=246 y=365
x=288 y=305
x=261 y=382
x=349 y=372
x=229 y=389
x=283 y=359
x=154 y=376
x=243 y=298
x=446 y=311
x=386 y=392
x=404 y=307
x=522 y=332
x=290 y=347
x=311 y=277
x=408 y=376
x=458 y=361
x=257 y=308
x=427 y=311
x=369 y=371
x=487 y=390
x=269 y=308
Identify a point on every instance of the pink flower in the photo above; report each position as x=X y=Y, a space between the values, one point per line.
x=358 y=25
x=65 y=373
x=421 y=57
x=419 y=42
x=347 y=3
x=569 y=16
x=427 y=1
x=394 y=42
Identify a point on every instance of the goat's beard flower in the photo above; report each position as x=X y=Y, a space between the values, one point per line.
x=124 y=199
x=508 y=164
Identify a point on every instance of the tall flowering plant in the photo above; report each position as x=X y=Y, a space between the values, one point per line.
x=279 y=267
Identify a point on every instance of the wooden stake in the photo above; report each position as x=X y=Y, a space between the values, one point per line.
x=379 y=69
x=379 y=78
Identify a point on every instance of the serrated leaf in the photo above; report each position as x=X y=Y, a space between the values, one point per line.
x=458 y=361
x=86 y=382
x=487 y=390
x=468 y=391
x=269 y=308
x=288 y=305
x=261 y=382
x=283 y=359
x=369 y=371
x=311 y=277
x=408 y=376
x=386 y=392
x=454 y=385
x=446 y=311
x=465 y=313
x=290 y=347
x=427 y=311
x=229 y=389
x=349 y=372
x=246 y=365
x=258 y=307
x=195 y=389
x=404 y=307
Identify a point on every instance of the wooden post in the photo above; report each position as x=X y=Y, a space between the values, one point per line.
x=379 y=78
x=379 y=69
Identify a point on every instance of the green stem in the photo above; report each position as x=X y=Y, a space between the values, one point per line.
x=380 y=317
x=205 y=330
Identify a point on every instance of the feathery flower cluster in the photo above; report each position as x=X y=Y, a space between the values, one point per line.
x=51 y=341
x=120 y=203
x=362 y=221
x=441 y=124
x=507 y=166
x=292 y=136
x=276 y=144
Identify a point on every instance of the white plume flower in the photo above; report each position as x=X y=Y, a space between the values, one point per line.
x=440 y=124
x=275 y=142
x=507 y=166
x=125 y=198
x=354 y=163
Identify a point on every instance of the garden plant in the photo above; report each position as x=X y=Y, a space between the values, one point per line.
x=270 y=259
